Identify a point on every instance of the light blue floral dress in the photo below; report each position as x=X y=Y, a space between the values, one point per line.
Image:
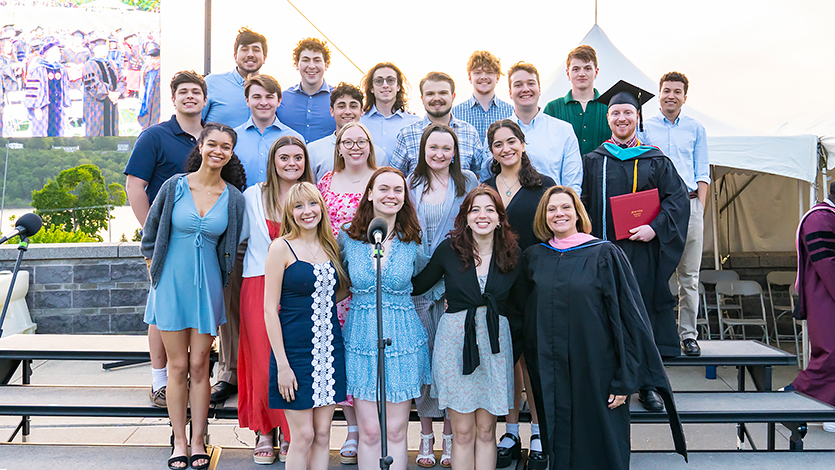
x=407 y=359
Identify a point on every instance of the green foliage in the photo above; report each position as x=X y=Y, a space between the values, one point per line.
x=32 y=166
x=79 y=187
x=147 y=5
x=137 y=236
x=55 y=234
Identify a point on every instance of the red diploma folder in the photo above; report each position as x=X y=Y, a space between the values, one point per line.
x=633 y=210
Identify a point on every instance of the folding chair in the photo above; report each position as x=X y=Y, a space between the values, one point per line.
x=783 y=279
x=802 y=349
x=710 y=277
x=740 y=289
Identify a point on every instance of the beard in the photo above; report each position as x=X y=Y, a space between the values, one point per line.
x=440 y=113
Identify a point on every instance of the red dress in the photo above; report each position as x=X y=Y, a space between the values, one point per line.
x=254 y=358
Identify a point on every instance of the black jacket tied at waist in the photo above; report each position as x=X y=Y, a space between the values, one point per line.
x=463 y=292
x=471 y=359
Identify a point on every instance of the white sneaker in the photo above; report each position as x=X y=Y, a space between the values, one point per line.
x=829 y=427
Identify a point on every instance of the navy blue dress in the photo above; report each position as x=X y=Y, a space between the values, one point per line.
x=312 y=337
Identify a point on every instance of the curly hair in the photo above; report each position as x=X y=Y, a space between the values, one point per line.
x=406 y=225
x=312 y=44
x=233 y=172
x=675 y=77
x=487 y=61
x=528 y=176
x=505 y=240
x=400 y=98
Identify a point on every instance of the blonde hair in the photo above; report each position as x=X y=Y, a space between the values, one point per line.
x=339 y=161
x=290 y=230
x=540 y=220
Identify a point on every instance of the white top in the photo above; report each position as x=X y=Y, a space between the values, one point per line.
x=255 y=230
x=321 y=156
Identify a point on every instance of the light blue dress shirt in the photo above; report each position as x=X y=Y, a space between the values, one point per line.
x=553 y=149
x=309 y=115
x=407 y=150
x=321 y=156
x=472 y=112
x=384 y=129
x=226 y=101
x=253 y=147
x=684 y=142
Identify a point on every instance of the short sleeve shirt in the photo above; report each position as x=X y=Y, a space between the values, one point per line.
x=160 y=152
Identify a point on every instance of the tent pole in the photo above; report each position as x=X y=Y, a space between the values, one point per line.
x=207 y=40
x=715 y=206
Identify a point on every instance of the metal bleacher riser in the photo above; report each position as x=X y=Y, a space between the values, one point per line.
x=762 y=406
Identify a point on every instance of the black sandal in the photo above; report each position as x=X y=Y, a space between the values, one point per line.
x=537 y=460
x=197 y=457
x=506 y=455
x=179 y=459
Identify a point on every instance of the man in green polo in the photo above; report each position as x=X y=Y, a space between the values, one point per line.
x=580 y=107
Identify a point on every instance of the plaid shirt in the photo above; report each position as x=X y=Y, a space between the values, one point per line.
x=406 y=151
x=472 y=112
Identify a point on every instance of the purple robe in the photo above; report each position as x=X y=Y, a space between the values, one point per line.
x=47 y=90
x=816 y=289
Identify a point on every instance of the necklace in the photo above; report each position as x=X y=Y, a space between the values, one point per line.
x=509 y=188
x=314 y=255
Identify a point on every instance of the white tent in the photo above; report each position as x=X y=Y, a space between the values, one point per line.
x=777 y=172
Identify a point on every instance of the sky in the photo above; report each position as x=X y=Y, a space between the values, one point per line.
x=751 y=64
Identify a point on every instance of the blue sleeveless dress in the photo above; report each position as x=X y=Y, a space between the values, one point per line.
x=312 y=337
x=190 y=290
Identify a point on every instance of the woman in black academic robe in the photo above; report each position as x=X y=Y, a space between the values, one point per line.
x=588 y=341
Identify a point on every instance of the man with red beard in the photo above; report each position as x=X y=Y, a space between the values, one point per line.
x=622 y=165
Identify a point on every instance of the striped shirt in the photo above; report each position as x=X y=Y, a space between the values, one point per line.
x=472 y=112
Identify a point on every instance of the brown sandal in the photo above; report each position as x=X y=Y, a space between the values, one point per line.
x=263 y=447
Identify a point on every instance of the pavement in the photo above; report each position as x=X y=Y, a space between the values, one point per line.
x=155 y=433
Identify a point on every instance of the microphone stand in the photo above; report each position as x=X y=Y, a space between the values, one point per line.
x=385 y=459
x=22 y=247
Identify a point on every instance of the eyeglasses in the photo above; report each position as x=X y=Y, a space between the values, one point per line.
x=349 y=144
x=390 y=80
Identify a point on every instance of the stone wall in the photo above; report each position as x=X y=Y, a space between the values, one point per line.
x=84 y=287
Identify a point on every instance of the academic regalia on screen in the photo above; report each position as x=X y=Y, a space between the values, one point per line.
x=816 y=303
x=101 y=116
x=654 y=261
x=47 y=89
x=587 y=335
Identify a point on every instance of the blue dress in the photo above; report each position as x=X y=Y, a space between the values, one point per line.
x=312 y=337
x=190 y=291
x=407 y=359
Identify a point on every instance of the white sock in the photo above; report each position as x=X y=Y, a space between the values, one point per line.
x=536 y=444
x=511 y=428
x=160 y=377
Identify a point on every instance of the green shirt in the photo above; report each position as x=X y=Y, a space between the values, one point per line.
x=590 y=126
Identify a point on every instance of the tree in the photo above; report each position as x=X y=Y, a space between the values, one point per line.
x=78 y=200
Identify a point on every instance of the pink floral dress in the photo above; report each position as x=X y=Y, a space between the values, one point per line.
x=341 y=209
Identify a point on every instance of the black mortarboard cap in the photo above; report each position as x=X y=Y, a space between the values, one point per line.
x=624 y=92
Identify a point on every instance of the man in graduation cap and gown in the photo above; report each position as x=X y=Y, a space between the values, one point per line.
x=619 y=166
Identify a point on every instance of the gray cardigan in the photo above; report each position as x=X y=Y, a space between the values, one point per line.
x=157 y=230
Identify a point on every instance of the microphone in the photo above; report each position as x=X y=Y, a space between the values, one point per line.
x=26 y=226
x=377 y=230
